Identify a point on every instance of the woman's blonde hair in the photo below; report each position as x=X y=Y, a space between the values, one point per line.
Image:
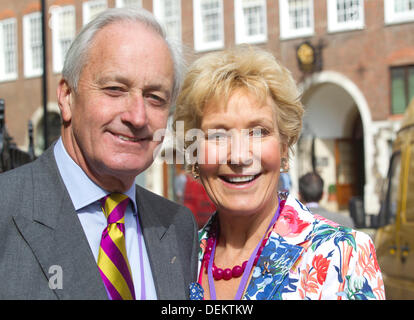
x=215 y=76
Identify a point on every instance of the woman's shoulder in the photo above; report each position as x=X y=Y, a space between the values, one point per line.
x=297 y=225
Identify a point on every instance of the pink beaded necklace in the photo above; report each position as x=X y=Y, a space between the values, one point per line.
x=228 y=273
x=246 y=267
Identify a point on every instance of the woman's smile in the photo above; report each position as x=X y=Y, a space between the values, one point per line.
x=239 y=181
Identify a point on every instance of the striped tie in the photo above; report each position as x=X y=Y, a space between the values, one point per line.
x=112 y=259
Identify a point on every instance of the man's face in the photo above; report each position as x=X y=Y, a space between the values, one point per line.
x=123 y=97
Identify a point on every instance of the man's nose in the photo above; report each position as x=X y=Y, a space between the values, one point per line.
x=136 y=112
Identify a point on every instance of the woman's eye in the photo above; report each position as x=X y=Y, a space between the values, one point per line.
x=216 y=136
x=259 y=132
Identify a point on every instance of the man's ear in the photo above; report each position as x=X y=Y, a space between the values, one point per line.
x=65 y=100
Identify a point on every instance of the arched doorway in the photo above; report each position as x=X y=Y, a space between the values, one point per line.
x=334 y=138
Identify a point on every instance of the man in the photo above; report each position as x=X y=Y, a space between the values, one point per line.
x=310 y=193
x=73 y=224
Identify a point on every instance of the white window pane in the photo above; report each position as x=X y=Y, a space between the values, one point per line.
x=8 y=49
x=93 y=8
x=299 y=13
x=128 y=3
x=403 y=5
x=168 y=12
x=396 y=11
x=9 y=45
x=296 y=18
x=35 y=42
x=250 y=21
x=33 y=46
x=254 y=17
x=210 y=16
x=208 y=24
x=63 y=33
x=345 y=15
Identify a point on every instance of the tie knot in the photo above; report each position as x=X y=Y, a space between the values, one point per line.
x=114 y=206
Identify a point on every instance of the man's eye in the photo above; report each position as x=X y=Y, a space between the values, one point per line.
x=114 y=90
x=155 y=99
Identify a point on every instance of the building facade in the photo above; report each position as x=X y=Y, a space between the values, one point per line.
x=352 y=59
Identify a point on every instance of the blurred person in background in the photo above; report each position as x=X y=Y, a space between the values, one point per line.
x=258 y=245
x=311 y=192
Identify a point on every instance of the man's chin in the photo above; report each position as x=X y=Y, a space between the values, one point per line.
x=125 y=168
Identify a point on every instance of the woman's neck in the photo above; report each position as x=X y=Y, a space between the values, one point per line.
x=239 y=234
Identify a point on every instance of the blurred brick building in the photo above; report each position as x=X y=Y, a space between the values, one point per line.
x=353 y=60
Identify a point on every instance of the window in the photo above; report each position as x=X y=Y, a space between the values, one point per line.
x=345 y=15
x=92 y=8
x=296 y=18
x=402 y=88
x=128 y=3
x=8 y=49
x=396 y=11
x=250 y=21
x=33 y=45
x=168 y=12
x=208 y=25
x=63 y=33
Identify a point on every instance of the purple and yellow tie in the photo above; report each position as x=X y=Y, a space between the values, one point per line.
x=112 y=258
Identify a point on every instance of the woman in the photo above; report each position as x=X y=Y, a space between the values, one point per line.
x=258 y=245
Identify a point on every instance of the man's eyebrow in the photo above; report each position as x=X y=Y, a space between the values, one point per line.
x=125 y=80
x=116 y=78
x=158 y=88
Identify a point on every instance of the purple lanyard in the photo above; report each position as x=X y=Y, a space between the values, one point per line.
x=141 y=260
x=247 y=270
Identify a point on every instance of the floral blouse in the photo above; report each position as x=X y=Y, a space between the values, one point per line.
x=309 y=257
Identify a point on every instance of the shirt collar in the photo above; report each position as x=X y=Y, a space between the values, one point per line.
x=312 y=204
x=82 y=190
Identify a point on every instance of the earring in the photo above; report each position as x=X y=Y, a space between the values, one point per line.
x=195 y=171
x=284 y=166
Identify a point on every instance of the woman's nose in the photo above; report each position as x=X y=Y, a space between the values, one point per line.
x=240 y=148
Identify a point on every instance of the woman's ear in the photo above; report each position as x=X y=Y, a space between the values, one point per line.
x=64 y=97
x=284 y=150
x=284 y=157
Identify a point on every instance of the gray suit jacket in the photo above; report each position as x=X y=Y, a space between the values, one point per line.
x=40 y=233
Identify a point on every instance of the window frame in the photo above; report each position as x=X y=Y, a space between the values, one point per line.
x=29 y=70
x=199 y=44
x=240 y=25
x=121 y=3
x=406 y=69
x=159 y=10
x=57 y=55
x=335 y=26
x=391 y=17
x=288 y=33
x=9 y=75
x=86 y=15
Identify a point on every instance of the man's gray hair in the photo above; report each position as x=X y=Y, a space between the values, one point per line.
x=77 y=54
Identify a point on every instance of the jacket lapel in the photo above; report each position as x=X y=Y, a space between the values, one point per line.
x=271 y=274
x=56 y=237
x=161 y=244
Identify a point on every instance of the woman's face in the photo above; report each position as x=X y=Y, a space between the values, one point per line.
x=239 y=158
